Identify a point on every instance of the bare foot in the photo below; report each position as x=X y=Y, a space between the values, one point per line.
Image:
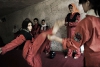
x=51 y=37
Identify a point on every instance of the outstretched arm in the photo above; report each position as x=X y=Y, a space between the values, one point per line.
x=16 y=42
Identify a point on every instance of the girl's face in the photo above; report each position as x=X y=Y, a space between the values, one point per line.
x=43 y=22
x=29 y=26
x=71 y=9
x=86 y=6
x=35 y=22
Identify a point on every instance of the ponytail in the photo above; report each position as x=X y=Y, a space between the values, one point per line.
x=97 y=9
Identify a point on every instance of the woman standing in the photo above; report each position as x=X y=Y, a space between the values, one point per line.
x=36 y=29
x=71 y=21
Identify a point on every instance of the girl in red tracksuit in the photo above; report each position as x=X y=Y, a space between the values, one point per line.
x=71 y=21
x=87 y=32
x=31 y=50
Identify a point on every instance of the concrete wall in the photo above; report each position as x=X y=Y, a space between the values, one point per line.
x=50 y=10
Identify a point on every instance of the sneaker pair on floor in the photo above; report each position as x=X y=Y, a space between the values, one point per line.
x=74 y=57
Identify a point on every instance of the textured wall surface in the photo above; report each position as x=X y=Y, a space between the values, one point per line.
x=50 y=10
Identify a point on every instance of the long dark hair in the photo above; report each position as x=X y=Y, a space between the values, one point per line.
x=25 y=23
x=94 y=3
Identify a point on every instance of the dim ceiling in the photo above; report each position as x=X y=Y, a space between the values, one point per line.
x=9 y=6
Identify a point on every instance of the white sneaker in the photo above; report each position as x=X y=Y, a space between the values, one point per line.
x=75 y=57
x=82 y=49
x=65 y=56
x=47 y=53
